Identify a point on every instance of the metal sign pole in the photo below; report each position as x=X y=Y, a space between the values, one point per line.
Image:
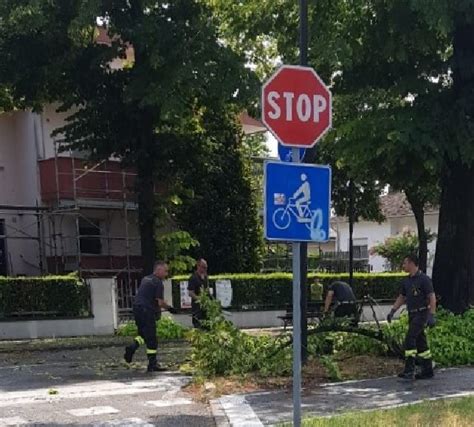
x=297 y=250
x=296 y=324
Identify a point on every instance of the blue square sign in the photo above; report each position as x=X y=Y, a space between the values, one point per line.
x=297 y=202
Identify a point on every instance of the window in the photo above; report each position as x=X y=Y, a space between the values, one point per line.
x=89 y=231
x=361 y=248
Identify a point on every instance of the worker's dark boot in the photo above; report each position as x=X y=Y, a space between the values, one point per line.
x=153 y=366
x=426 y=370
x=130 y=351
x=409 y=371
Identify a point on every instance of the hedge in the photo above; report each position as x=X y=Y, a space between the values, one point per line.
x=40 y=297
x=274 y=291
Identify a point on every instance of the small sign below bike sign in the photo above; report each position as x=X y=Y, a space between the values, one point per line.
x=296 y=202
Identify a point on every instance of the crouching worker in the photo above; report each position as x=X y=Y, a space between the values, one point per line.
x=341 y=296
x=147 y=306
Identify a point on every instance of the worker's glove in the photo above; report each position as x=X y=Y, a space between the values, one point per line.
x=431 y=321
x=172 y=310
x=390 y=315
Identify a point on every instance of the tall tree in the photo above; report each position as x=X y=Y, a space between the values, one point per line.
x=143 y=112
x=222 y=210
x=419 y=55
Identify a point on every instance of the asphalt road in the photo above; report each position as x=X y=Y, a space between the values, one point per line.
x=94 y=387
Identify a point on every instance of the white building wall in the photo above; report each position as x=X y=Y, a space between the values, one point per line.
x=49 y=121
x=376 y=233
x=19 y=187
x=373 y=232
x=25 y=137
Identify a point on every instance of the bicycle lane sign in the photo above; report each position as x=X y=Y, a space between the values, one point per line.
x=297 y=202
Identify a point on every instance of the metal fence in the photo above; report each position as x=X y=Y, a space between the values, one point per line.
x=127 y=286
x=330 y=262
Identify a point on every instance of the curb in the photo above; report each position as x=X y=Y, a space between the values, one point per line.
x=218 y=413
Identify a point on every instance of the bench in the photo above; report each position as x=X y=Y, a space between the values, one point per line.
x=313 y=313
x=315 y=309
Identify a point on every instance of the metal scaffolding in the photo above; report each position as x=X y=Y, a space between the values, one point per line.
x=59 y=247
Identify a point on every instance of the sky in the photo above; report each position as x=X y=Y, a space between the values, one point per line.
x=272 y=144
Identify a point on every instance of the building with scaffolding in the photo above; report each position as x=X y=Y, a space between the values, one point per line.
x=61 y=213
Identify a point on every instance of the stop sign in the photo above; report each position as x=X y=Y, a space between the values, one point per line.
x=296 y=106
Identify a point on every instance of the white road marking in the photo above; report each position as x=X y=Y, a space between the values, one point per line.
x=93 y=410
x=94 y=389
x=239 y=412
x=124 y=423
x=167 y=403
x=12 y=421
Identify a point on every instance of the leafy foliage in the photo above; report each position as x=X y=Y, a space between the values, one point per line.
x=173 y=247
x=225 y=350
x=401 y=72
x=274 y=291
x=147 y=109
x=220 y=211
x=166 y=329
x=451 y=340
x=48 y=296
x=395 y=248
x=332 y=368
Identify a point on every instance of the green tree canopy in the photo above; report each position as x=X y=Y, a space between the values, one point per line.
x=405 y=71
x=150 y=112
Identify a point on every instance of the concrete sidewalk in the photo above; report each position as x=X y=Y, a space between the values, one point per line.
x=270 y=408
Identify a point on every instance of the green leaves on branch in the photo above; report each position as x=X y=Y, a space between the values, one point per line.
x=225 y=350
x=394 y=249
x=174 y=248
x=451 y=341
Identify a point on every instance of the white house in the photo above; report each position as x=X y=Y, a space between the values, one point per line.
x=398 y=216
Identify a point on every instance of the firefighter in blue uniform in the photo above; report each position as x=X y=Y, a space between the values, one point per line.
x=147 y=306
x=416 y=291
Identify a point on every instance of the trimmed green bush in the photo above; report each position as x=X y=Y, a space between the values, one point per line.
x=274 y=291
x=39 y=297
x=451 y=341
x=166 y=329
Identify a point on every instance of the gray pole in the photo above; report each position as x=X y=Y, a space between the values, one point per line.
x=351 y=232
x=296 y=324
x=297 y=267
x=304 y=246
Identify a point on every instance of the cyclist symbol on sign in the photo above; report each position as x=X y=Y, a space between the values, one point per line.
x=298 y=207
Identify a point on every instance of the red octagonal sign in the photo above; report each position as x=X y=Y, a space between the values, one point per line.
x=296 y=106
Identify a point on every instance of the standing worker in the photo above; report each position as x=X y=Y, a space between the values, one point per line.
x=198 y=280
x=341 y=294
x=418 y=294
x=147 y=306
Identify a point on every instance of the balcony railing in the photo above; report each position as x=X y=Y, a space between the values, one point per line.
x=68 y=178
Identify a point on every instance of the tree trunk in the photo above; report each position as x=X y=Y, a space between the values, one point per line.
x=145 y=188
x=146 y=216
x=417 y=206
x=453 y=272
